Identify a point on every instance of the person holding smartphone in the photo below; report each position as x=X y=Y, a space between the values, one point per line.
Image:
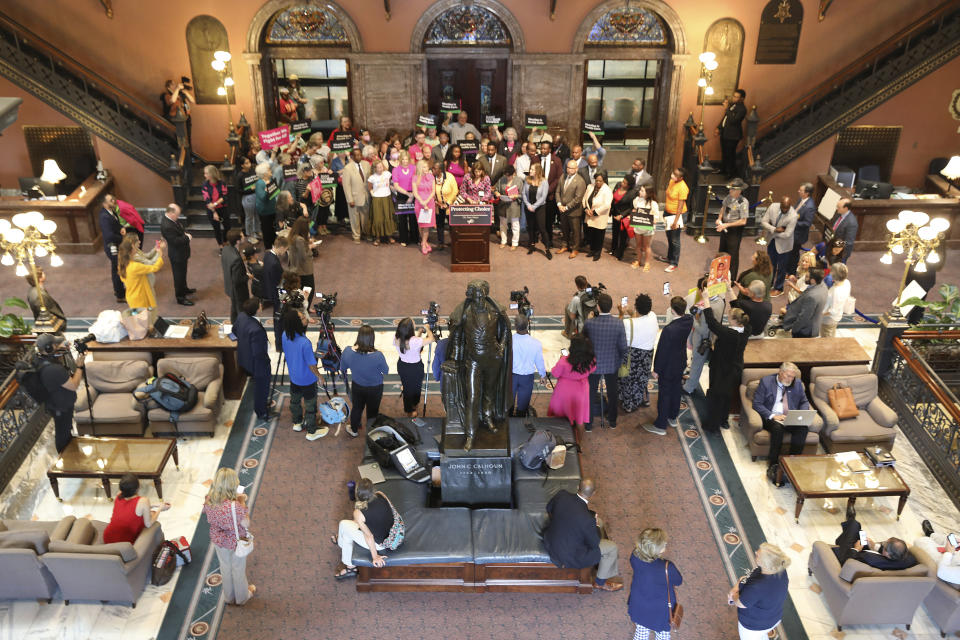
x=675 y=206
x=942 y=549
x=889 y=555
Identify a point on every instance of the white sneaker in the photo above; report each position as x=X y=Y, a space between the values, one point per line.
x=673 y=423
x=298 y=426
x=655 y=429
x=319 y=433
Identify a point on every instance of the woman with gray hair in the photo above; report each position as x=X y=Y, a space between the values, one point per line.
x=266 y=203
x=837 y=297
x=653 y=588
x=759 y=597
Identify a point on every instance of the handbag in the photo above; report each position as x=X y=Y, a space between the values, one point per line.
x=137 y=323
x=244 y=545
x=397 y=530
x=842 y=403
x=675 y=609
x=624 y=369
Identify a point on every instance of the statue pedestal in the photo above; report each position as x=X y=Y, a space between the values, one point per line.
x=481 y=476
x=485 y=444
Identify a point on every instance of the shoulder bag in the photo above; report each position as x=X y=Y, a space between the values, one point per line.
x=842 y=402
x=244 y=545
x=397 y=530
x=624 y=369
x=675 y=609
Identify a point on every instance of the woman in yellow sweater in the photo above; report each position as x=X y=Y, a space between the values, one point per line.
x=136 y=275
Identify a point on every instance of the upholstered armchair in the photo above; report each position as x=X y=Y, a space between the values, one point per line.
x=943 y=605
x=874 y=426
x=856 y=593
x=206 y=374
x=751 y=424
x=22 y=543
x=115 y=410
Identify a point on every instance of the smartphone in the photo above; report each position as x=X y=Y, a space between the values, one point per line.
x=952 y=540
x=623 y=302
x=564 y=352
x=239 y=489
x=863 y=538
x=306 y=291
x=666 y=288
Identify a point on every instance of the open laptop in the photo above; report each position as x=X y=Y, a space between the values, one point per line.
x=35 y=188
x=799 y=417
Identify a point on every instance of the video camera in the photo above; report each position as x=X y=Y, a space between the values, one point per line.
x=521 y=303
x=291 y=299
x=323 y=305
x=432 y=316
x=81 y=344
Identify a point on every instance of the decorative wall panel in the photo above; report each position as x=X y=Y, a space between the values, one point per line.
x=306 y=24
x=467 y=26
x=632 y=26
x=724 y=38
x=205 y=35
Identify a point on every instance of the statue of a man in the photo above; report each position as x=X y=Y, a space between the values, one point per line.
x=477 y=370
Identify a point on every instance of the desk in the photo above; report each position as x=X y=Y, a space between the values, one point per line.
x=806 y=353
x=233 y=376
x=78 y=227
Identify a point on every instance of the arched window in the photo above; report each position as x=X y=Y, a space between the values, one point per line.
x=467 y=26
x=629 y=26
x=306 y=24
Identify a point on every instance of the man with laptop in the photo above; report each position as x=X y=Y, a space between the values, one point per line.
x=782 y=404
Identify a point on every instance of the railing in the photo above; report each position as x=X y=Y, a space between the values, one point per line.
x=866 y=63
x=22 y=421
x=929 y=412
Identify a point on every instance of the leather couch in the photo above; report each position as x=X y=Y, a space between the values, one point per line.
x=857 y=593
x=875 y=425
x=22 y=543
x=206 y=373
x=751 y=424
x=115 y=410
x=87 y=569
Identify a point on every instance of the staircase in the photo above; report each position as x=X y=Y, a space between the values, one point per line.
x=875 y=77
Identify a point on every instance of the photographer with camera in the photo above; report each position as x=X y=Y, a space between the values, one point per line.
x=176 y=100
x=409 y=365
x=521 y=302
x=59 y=385
x=574 y=316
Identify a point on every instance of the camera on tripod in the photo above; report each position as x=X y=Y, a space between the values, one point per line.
x=291 y=299
x=81 y=344
x=323 y=305
x=521 y=302
x=432 y=317
x=588 y=299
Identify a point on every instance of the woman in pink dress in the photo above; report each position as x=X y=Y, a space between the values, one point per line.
x=425 y=203
x=456 y=163
x=571 y=395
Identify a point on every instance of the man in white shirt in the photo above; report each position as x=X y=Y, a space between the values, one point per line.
x=458 y=130
x=527 y=360
x=948 y=562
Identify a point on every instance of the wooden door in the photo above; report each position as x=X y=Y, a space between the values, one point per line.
x=479 y=83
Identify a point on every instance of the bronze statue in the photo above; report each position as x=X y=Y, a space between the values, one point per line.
x=476 y=374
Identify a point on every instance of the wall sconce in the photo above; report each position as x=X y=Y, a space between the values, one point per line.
x=708 y=64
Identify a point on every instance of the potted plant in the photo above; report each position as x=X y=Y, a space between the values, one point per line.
x=944 y=312
x=12 y=324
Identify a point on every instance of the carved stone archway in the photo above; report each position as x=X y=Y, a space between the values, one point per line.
x=493 y=6
x=668 y=115
x=253 y=54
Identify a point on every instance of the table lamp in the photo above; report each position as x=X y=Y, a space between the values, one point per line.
x=952 y=172
x=52 y=172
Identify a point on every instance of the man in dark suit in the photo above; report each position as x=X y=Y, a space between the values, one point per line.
x=569 y=197
x=273 y=271
x=178 y=243
x=805 y=314
x=439 y=152
x=639 y=172
x=774 y=396
x=493 y=163
x=806 y=208
x=668 y=365
x=111 y=229
x=572 y=537
x=609 y=340
x=253 y=355
x=234 y=274
x=843 y=227
x=730 y=131
x=891 y=555
x=552 y=170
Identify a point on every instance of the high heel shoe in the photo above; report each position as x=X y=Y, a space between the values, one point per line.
x=423 y=251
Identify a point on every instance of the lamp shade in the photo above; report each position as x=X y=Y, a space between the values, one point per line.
x=708 y=91
x=707 y=56
x=218 y=65
x=952 y=170
x=47 y=227
x=56 y=261
x=13 y=235
x=933 y=257
x=895 y=225
x=222 y=56
x=52 y=172
x=702 y=82
x=228 y=81
x=937 y=224
x=4 y=225
x=711 y=65
x=887 y=258
x=221 y=91
x=927 y=233
x=921 y=266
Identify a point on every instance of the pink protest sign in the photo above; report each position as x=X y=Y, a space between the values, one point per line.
x=272 y=138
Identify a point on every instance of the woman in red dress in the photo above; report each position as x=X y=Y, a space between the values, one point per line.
x=131 y=513
x=571 y=395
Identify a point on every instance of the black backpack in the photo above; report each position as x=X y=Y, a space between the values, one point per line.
x=173 y=393
x=28 y=377
x=165 y=562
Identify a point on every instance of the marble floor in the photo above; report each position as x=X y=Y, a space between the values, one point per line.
x=29 y=496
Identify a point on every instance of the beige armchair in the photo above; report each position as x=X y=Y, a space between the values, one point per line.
x=206 y=373
x=87 y=569
x=943 y=603
x=859 y=594
x=22 y=543
x=751 y=424
x=873 y=426
x=115 y=410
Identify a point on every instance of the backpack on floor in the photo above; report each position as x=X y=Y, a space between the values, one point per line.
x=334 y=411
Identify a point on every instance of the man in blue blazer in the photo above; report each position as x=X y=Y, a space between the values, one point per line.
x=572 y=537
x=252 y=353
x=609 y=340
x=774 y=396
x=668 y=366
x=806 y=209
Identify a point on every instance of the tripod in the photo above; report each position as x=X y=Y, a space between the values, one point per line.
x=332 y=348
x=426 y=383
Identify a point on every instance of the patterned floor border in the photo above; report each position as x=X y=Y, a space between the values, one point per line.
x=732 y=519
x=196 y=607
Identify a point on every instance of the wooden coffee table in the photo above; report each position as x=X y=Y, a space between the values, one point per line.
x=821 y=476
x=106 y=458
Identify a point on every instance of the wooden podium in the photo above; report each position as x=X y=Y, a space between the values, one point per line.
x=470 y=237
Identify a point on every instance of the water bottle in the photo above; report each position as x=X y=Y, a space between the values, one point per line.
x=352 y=490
